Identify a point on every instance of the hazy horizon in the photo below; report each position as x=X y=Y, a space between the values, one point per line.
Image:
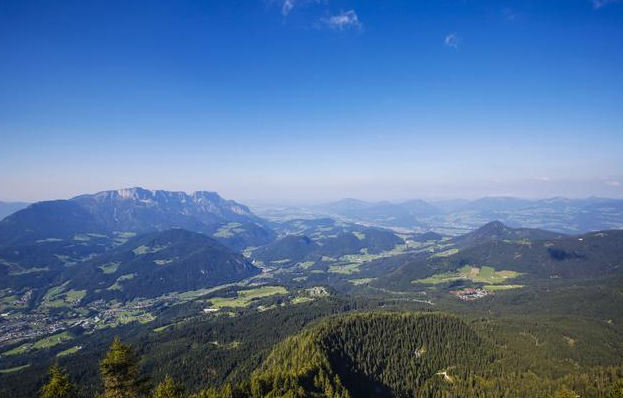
x=309 y=201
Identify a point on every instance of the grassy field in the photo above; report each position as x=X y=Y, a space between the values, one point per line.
x=125 y=317
x=139 y=251
x=15 y=369
x=345 y=269
x=69 y=351
x=502 y=287
x=301 y=299
x=228 y=230
x=110 y=268
x=359 y=235
x=445 y=253
x=26 y=271
x=365 y=256
x=16 y=351
x=54 y=292
x=11 y=302
x=305 y=264
x=163 y=328
x=134 y=316
x=245 y=297
x=361 y=281
x=74 y=296
x=487 y=275
x=117 y=285
x=53 y=340
x=47 y=342
x=192 y=294
x=57 y=297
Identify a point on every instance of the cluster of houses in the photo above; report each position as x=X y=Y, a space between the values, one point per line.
x=470 y=293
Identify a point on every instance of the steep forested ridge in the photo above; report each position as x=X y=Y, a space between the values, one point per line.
x=157 y=263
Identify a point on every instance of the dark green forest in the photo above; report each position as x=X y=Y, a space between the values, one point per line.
x=367 y=354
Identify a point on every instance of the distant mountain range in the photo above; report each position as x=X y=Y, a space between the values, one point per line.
x=459 y=216
x=140 y=210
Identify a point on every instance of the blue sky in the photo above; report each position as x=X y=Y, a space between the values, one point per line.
x=312 y=99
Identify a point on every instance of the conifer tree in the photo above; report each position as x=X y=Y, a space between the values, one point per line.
x=119 y=371
x=564 y=392
x=616 y=390
x=59 y=385
x=168 y=389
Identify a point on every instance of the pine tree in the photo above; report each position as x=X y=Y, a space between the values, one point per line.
x=168 y=389
x=616 y=390
x=119 y=371
x=59 y=385
x=564 y=392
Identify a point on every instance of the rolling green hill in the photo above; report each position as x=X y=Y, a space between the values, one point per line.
x=158 y=263
x=372 y=355
x=294 y=249
x=591 y=255
x=497 y=231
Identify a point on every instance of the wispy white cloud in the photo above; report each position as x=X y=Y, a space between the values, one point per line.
x=614 y=183
x=286 y=7
x=602 y=3
x=452 y=40
x=344 y=20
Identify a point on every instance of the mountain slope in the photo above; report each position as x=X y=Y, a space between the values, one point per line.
x=371 y=240
x=8 y=208
x=294 y=248
x=135 y=210
x=58 y=219
x=159 y=263
x=297 y=248
x=497 y=231
x=421 y=208
x=593 y=255
x=141 y=210
x=372 y=355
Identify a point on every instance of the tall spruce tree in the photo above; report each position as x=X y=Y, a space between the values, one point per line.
x=168 y=388
x=119 y=372
x=59 y=385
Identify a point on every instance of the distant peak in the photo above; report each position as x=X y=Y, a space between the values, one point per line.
x=494 y=226
x=128 y=193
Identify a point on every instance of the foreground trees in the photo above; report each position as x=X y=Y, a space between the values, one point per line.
x=59 y=385
x=119 y=372
x=168 y=389
x=307 y=365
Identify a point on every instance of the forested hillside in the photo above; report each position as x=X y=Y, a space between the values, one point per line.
x=365 y=355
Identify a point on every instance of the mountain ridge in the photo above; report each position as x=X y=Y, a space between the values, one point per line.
x=132 y=210
x=159 y=262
